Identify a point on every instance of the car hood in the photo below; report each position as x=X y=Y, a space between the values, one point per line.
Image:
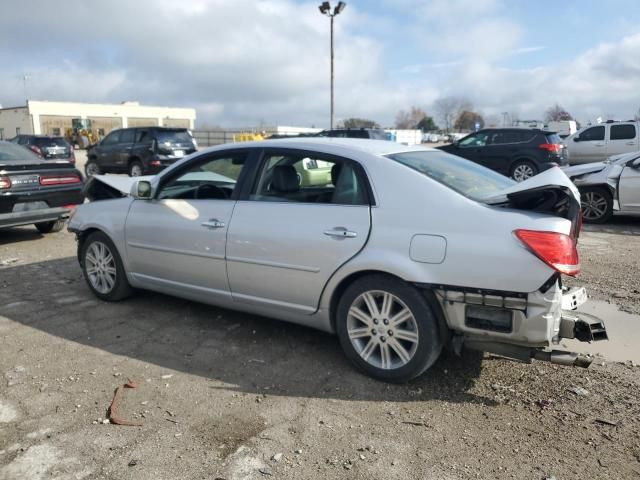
x=552 y=179
x=103 y=187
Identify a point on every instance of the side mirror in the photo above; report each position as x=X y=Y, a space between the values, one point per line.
x=635 y=163
x=141 y=190
x=576 y=138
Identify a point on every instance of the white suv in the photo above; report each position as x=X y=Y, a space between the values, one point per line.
x=596 y=143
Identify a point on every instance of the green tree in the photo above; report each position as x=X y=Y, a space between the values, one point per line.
x=355 y=122
x=427 y=124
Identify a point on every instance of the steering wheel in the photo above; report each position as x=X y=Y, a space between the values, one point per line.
x=207 y=191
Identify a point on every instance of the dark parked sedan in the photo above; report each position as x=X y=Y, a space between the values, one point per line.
x=36 y=191
x=519 y=153
x=49 y=148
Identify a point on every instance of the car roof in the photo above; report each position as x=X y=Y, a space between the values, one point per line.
x=374 y=147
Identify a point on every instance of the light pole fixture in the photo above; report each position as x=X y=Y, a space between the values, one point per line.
x=325 y=9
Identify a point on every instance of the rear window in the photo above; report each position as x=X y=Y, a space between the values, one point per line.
x=12 y=153
x=465 y=177
x=553 y=138
x=623 y=132
x=173 y=136
x=50 y=142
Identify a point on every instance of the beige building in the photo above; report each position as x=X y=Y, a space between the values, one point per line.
x=55 y=118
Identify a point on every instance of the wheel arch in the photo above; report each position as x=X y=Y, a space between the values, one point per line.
x=354 y=276
x=520 y=158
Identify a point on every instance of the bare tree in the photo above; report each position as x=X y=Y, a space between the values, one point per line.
x=449 y=109
x=410 y=119
x=556 y=113
x=467 y=120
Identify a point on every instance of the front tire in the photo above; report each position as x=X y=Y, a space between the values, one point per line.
x=50 y=227
x=597 y=205
x=103 y=269
x=135 y=169
x=388 y=329
x=522 y=170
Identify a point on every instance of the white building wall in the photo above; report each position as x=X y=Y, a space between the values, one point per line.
x=121 y=110
x=15 y=118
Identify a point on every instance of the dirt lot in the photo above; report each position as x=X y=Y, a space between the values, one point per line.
x=225 y=395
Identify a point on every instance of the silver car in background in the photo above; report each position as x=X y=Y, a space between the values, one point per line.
x=608 y=187
x=399 y=250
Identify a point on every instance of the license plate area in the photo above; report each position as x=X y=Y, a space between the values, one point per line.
x=573 y=298
x=29 y=206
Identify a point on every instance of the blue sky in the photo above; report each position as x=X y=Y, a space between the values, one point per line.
x=251 y=62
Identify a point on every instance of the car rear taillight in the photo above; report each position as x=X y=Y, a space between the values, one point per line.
x=72 y=155
x=5 y=183
x=35 y=150
x=555 y=249
x=59 y=180
x=155 y=163
x=551 y=147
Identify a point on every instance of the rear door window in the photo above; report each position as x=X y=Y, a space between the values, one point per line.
x=553 y=138
x=593 y=134
x=127 y=136
x=623 y=132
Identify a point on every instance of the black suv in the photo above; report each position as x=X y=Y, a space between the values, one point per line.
x=139 y=151
x=373 y=133
x=49 y=148
x=519 y=153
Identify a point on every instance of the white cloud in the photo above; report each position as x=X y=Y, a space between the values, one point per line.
x=243 y=62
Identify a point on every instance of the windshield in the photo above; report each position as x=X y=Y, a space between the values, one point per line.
x=12 y=153
x=173 y=136
x=465 y=177
x=50 y=142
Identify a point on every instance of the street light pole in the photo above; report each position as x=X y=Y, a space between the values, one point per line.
x=325 y=9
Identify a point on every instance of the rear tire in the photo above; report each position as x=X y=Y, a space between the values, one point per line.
x=597 y=205
x=103 y=269
x=135 y=169
x=522 y=170
x=92 y=168
x=50 y=227
x=387 y=328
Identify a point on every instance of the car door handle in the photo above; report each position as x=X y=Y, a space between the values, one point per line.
x=599 y=144
x=631 y=143
x=213 y=223
x=340 y=232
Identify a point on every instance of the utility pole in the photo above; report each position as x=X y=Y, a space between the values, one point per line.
x=325 y=9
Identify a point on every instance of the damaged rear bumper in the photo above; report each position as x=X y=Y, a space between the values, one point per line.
x=522 y=327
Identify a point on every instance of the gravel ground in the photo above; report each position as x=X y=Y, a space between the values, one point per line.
x=225 y=395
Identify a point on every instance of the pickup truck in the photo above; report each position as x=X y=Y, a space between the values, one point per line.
x=36 y=191
x=139 y=151
x=596 y=143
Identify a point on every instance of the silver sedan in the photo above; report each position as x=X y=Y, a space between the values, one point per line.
x=399 y=250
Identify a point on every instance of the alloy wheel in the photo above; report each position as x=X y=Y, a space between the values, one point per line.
x=136 y=170
x=594 y=205
x=100 y=266
x=92 y=169
x=523 y=172
x=382 y=329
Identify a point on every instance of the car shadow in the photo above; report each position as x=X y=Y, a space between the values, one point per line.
x=19 y=234
x=247 y=353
